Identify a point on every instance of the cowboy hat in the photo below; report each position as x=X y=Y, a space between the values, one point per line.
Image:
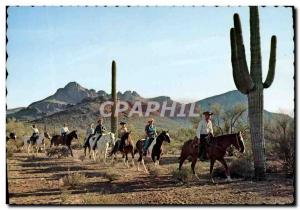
x=151 y=120
x=122 y=123
x=207 y=113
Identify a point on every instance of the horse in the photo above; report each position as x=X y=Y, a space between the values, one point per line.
x=127 y=148
x=215 y=149
x=37 y=144
x=102 y=144
x=58 y=139
x=12 y=136
x=155 y=148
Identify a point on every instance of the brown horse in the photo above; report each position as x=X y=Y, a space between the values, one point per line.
x=156 y=146
x=127 y=148
x=58 y=139
x=215 y=149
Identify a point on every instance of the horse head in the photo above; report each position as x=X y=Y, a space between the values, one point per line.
x=239 y=143
x=13 y=135
x=47 y=135
x=166 y=136
x=73 y=134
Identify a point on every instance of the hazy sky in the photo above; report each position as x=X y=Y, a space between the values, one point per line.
x=182 y=52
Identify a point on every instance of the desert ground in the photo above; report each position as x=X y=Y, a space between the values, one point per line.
x=42 y=180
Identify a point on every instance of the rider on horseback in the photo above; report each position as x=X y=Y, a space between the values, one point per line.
x=64 y=131
x=204 y=131
x=100 y=128
x=89 y=133
x=121 y=131
x=35 y=134
x=150 y=131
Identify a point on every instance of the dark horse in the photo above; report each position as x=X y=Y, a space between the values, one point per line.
x=156 y=150
x=127 y=148
x=57 y=140
x=12 y=136
x=215 y=150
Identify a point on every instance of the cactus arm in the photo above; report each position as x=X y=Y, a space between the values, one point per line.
x=239 y=43
x=272 y=62
x=241 y=74
x=256 y=73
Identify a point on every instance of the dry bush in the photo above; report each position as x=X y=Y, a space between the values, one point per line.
x=11 y=148
x=58 y=151
x=239 y=168
x=111 y=175
x=92 y=199
x=155 y=171
x=9 y=153
x=72 y=179
x=65 y=196
x=77 y=146
x=185 y=175
x=281 y=135
x=19 y=144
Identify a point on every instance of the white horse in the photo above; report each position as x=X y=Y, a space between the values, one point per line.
x=39 y=144
x=102 y=144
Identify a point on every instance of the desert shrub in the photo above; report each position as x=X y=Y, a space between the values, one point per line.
x=20 y=128
x=241 y=167
x=111 y=175
x=155 y=171
x=65 y=196
x=58 y=152
x=93 y=199
x=19 y=144
x=77 y=146
x=9 y=153
x=72 y=179
x=281 y=137
x=11 y=148
x=185 y=175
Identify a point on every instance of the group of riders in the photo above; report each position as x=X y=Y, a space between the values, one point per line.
x=204 y=132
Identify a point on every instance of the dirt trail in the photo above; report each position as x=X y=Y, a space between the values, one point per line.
x=38 y=181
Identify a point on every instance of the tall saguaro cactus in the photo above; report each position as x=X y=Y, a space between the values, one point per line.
x=251 y=84
x=114 y=115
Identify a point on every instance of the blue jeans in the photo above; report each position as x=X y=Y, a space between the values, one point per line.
x=147 y=143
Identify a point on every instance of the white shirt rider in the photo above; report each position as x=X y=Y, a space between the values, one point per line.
x=35 y=130
x=204 y=127
x=64 y=130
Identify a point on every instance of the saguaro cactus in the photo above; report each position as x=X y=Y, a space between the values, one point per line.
x=114 y=115
x=251 y=84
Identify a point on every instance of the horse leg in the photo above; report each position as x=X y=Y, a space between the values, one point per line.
x=139 y=161
x=105 y=155
x=146 y=170
x=212 y=162
x=70 y=150
x=158 y=158
x=124 y=159
x=182 y=159
x=89 y=152
x=126 y=155
x=132 y=155
x=194 y=161
x=222 y=160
